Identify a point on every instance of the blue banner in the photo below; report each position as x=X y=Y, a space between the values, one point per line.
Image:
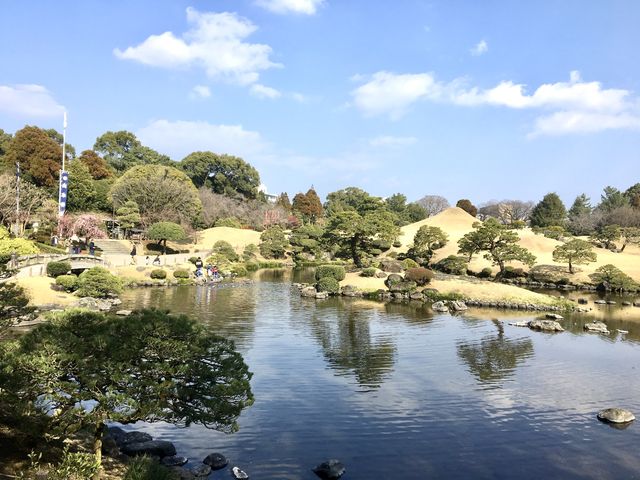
x=64 y=186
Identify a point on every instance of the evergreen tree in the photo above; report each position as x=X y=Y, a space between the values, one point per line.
x=467 y=206
x=581 y=206
x=550 y=211
x=611 y=199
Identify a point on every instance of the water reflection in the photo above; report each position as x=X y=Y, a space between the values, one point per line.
x=494 y=358
x=348 y=344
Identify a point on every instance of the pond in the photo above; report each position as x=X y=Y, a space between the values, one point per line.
x=396 y=391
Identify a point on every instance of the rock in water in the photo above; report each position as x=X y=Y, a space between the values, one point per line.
x=546 y=325
x=160 y=448
x=616 y=415
x=201 y=470
x=597 y=327
x=216 y=461
x=174 y=461
x=439 y=307
x=330 y=470
x=239 y=474
x=554 y=316
x=458 y=306
x=135 y=437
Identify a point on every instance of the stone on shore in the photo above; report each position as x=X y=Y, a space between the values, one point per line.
x=440 y=307
x=598 y=327
x=457 y=306
x=308 y=292
x=158 y=448
x=554 y=316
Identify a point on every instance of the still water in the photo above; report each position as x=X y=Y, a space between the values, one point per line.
x=397 y=392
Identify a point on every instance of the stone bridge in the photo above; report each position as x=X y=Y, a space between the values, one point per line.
x=36 y=265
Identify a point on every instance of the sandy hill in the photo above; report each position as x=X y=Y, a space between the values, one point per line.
x=237 y=237
x=456 y=222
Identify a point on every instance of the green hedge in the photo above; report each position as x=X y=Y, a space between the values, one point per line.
x=158 y=274
x=328 y=284
x=333 y=271
x=98 y=282
x=368 y=272
x=68 y=282
x=55 y=269
x=181 y=273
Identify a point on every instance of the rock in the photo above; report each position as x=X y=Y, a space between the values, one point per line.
x=201 y=470
x=554 y=316
x=519 y=324
x=583 y=301
x=416 y=296
x=322 y=295
x=160 y=448
x=390 y=265
x=216 y=461
x=457 y=306
x=330 y=470
x=439 y=307
x=109 y=446
x=351 y=291
x=308 y=292
x=239 y=474
x=405 y=286
x=545 y=325
x=610 y=302
x=381 y=274
x=597 y=327
x=603 y=287
x=616 y=415
x=627 y=304
x=123 y=313
x=183 y=473
x=136 y=437
x=600 y=302
x=174 y=461
x=393 y=279
x=636 y=304
x=117 y=433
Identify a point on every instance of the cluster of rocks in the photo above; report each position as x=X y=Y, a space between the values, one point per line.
x=550 y=324
x=516 y=305
x=98 y=304
x=118 y=443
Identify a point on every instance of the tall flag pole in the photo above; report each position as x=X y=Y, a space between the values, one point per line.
x=17 y=199
x=64 y=175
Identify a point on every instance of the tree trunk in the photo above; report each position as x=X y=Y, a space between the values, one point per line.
x=97 y=447
x=354 y=252
x=570 y=267
x=164 y=246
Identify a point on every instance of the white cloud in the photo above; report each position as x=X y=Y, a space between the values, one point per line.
x=299 y=97
x=577 y=106
x=480 y=48
x=305 y=7
x=200 y=91
x=392 y=94
x=262 y=91
x=214 y=42
x=179 y=138
x=28 y=101
x=391 y=141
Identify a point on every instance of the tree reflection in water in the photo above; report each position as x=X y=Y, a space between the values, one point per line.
x=494 y=358
x=348 y=346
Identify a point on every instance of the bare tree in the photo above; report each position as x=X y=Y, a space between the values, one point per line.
x=506 y=211
x=433 y=204
x=251 y=213
x=32 y=198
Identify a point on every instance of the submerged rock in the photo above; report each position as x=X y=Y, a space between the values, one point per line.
x=554 y=316
x=308 y=292
x=183 y=473
x=330 y=470
x=201 y=470
x=616 y=415
x=457 y=306
x=174 y=461
x=597 y=327
x=582 y=301
x=600 y=302
x=216 y=461
x=519 y=324
x=135 y=437
x=545 y=325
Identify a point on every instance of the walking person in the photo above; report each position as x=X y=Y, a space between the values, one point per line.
x=92 y=248
x=133 y=254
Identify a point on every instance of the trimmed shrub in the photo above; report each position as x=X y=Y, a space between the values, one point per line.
x=193 y=260
x=224 y=248
x=486 y=272
x=55 y=269
x=408 y=263
x=181 y=273
x=328 y=284
x=511 y=272
x=158 y=274
x=232 y=222
x=368 y=272
x=420 y=275
x=252 y=266
x=239 y=271
x=453 y=265
x=98 y=282
x=397 y=244
x=250 y=252
x=334 y=271
x=68 y=282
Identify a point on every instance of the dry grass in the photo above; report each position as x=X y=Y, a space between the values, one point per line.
x=237 y=237
x=40 y=292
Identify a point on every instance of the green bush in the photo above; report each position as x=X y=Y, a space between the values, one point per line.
x=333 y=271
x=328 y=284
x=392 y=254
x=408 y=263
x=181 y=273
x=420 y=275
x=55 y=269
x=453 y=265
x=158 y=274
x=193 y=260
x=273 y=243
x=368 y=272
x=72 y=466
x=511 y=272
x=224 y=248
x=98 y=282
x=232 y=222
x=486 y=272
x=239 y=271
x=252 y=266
x=250 y=252
x=145 y=468
x=68 y=282
x=397 y=244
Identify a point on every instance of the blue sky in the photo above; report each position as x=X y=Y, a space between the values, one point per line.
x=465 y=99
